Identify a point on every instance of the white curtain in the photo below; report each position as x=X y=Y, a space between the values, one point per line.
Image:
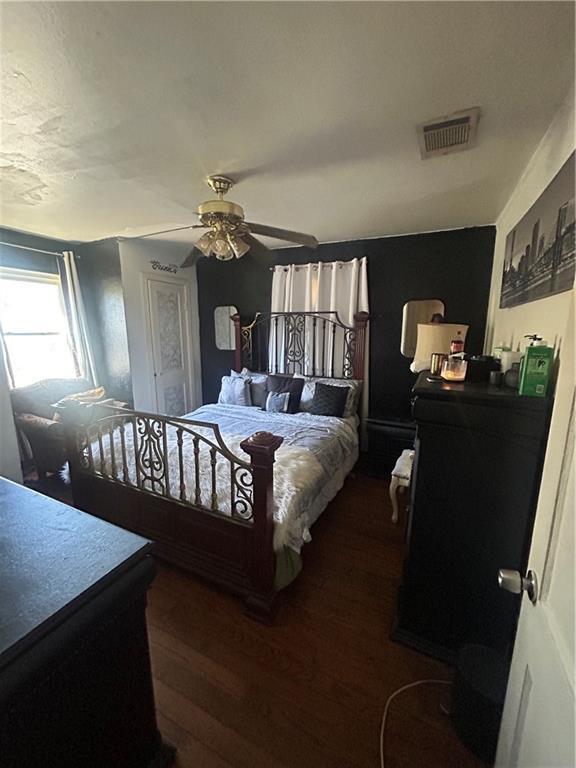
x=9 y=452
x=340 y=286
x=332 y=286
x=77 y=317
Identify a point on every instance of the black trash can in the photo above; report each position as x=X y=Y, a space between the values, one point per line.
x=478 y=698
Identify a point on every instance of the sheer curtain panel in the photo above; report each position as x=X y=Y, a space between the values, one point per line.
x=340 y=286
x=77 y=319
x=9 y=451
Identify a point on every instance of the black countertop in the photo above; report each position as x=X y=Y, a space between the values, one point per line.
x=479 y=393
x=52 y=558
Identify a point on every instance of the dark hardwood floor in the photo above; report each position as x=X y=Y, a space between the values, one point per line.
x=52 y=485
x=308 y=692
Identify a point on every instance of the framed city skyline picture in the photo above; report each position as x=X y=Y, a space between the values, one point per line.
x=539 y=256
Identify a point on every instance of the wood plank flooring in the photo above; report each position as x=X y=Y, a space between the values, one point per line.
x=310 y=691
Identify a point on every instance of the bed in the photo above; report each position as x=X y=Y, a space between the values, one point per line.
x=229 y=492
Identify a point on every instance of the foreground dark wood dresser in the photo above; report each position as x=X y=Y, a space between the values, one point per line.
x=475 y=482
x=75 y=680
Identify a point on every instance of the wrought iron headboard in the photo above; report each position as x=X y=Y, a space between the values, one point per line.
x=309 y=343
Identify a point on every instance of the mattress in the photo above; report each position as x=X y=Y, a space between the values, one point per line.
x=311 y=464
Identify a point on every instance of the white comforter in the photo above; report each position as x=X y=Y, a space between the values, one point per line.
x=314 y=451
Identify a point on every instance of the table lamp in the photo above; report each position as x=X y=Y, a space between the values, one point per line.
x=435 y=337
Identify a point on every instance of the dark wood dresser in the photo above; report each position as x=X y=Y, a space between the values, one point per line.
x=477 y=469
x=75 y=680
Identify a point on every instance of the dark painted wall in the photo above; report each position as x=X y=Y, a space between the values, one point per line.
x=101 y=281
x=21 y=259
x=454 y=266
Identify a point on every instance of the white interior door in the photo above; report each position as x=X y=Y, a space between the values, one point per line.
x=168 y=312
x=538 y=723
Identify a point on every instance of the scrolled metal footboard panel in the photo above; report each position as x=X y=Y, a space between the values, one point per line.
x=179 y=459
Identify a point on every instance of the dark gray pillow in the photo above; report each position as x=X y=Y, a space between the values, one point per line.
x=329 y=400
x=258 y=389
x=354 y=387
x=279 y=383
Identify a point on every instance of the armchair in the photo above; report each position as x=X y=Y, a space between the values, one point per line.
x=34 y=414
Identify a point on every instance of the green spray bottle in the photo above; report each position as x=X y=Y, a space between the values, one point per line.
x=536 y=367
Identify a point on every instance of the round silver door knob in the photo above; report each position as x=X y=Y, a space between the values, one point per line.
x=513 y=581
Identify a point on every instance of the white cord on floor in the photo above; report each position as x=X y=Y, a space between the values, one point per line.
x=391 y=699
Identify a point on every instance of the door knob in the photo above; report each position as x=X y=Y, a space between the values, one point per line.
x=513 y=581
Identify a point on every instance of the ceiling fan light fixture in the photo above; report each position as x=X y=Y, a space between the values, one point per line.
x=239 y=247
x=229 y=236
x=204 y=244
x=221 y=247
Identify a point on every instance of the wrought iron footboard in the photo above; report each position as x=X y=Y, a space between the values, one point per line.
x=177 y=481
x=166 y=456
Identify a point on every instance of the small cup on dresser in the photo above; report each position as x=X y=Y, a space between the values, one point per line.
x=436 y=362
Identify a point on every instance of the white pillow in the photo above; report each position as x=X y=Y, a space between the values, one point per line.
x=354 y=386
x=235 y=391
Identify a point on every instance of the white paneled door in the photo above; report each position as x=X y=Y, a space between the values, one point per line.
x=170 y=335
x=538 y=723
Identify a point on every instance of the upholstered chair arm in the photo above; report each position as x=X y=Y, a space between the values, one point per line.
x=46 y=438
x=37 y=426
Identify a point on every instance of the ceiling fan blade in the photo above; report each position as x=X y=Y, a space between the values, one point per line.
x=283 y=234
x=191 y=259
x=255 y=244
x=161 y=232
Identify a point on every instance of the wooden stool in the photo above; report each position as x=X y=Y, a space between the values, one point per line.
x=400 y=479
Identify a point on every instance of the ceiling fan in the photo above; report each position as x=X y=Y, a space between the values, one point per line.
x=229 y=235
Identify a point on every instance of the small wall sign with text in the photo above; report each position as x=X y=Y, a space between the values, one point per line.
x=173 y=268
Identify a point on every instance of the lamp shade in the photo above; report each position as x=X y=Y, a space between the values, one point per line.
x=238 y=246
x=435 y=337
x=205 y=243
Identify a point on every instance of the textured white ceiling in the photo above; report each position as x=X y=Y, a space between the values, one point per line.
x=112 y=113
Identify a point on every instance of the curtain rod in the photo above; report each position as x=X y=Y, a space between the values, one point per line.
x=297 y=267
x=35 y=250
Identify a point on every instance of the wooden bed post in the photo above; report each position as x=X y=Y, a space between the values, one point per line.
x=360 y=323
x=238 y=342
x=262 y=603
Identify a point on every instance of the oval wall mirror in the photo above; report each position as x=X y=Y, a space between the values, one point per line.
x=415 y=312
x=224 y=327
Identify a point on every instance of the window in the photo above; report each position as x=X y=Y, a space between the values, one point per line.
x=34 y=327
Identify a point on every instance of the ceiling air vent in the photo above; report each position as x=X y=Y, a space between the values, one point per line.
x=451 y=133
